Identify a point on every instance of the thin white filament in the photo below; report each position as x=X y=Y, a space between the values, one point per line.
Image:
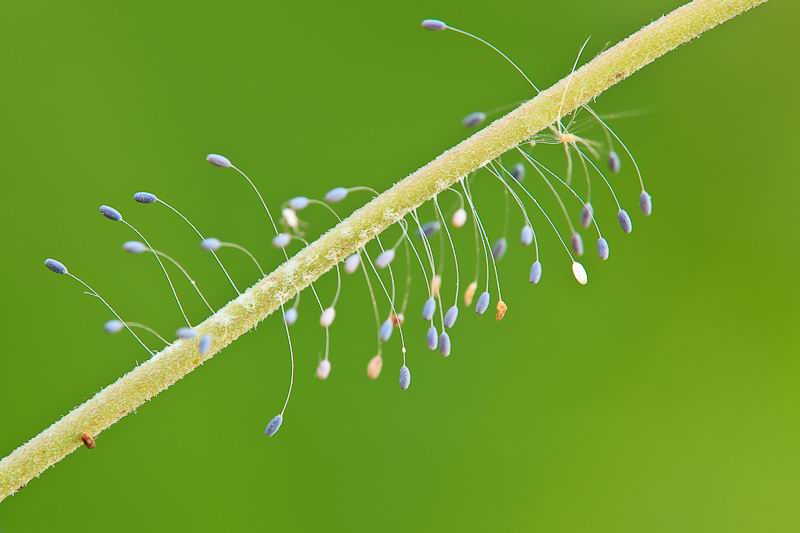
x=97 y=295
x=189 y=278
x=452 y=246
x=202 y=238
x=163 y=269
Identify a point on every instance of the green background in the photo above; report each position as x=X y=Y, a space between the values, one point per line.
x=663 y=397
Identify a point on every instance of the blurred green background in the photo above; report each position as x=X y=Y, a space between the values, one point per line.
x=663 y=397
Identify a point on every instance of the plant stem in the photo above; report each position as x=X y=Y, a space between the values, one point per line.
x=242 y=314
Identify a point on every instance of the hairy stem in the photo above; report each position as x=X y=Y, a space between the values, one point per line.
x=240 y=315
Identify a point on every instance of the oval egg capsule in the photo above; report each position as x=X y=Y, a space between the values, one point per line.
x=385 y=258
x=536 y=273
x=219 y=160
x=273 y=426
x=405 y=377
x=483 y=303
x=625 y=221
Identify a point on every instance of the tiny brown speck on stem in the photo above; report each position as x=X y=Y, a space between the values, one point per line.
x=88 y=440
